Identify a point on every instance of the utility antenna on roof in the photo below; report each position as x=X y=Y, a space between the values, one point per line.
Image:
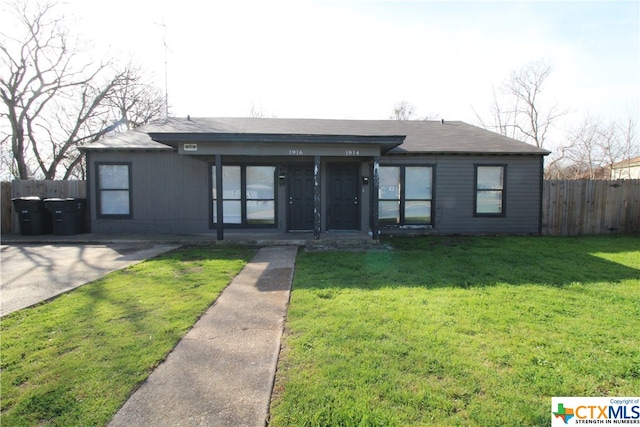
x=166 y=74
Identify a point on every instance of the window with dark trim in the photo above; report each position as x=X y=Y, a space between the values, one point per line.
x=248 y=195
x=113 y=185
x=405 y=194
x=489 y=194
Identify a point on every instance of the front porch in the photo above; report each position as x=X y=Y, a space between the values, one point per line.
x=326 y=241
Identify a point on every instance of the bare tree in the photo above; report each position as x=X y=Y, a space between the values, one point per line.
x=72 y=125
x=405 y=110
x=502 y=117
x=591 y=148
x=630 y=144
x=594 y=147
x=583 y=151
x=522 y=113
x=531 y=118
x=134 y=101
x=260 y=112
x=55 y=101
x=40 y=68
x=123 y=102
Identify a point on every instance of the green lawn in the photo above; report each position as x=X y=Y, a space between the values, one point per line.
x=459 y=331
x=74 y=361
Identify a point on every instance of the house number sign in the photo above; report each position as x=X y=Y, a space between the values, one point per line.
x=299 y=152
x=281 y=149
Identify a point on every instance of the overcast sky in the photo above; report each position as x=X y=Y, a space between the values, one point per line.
x=355 y=59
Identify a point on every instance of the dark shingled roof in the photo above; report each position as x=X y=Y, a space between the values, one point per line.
x=136 y=139
x=421 y=136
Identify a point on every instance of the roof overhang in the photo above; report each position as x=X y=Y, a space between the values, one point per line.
x=261 y=144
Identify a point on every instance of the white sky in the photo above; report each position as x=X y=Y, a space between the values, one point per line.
x=356 y=59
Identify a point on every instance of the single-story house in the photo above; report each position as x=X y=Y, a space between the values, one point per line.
x=199 y=175
x=626 y=169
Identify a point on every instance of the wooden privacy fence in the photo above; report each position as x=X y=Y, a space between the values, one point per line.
x=573 y=208
x=44 y=189
x=569 y=208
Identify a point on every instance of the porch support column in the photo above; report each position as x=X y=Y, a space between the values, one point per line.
x=375 y=215
x=317 y=205
x=219 y=208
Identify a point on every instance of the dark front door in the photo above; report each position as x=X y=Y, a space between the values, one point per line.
x=344 y=196
x=300 y=213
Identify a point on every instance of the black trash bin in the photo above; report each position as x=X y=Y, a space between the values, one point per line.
x=34 y=218
x=68 y=215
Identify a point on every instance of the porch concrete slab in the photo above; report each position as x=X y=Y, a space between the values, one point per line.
x=222 y=372
x=239 y=237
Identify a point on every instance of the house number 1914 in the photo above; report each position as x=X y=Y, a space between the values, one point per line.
x=352 y=152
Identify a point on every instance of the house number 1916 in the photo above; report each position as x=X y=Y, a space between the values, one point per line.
x=295 y=152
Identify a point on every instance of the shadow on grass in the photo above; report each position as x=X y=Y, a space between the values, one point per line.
x=466 y=262
x=168 y=276
x=75 y=359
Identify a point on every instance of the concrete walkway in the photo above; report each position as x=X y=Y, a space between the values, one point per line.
x=222 y=372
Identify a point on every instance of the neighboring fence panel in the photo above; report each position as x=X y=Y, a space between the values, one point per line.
x=44 y=189
x=573 y=208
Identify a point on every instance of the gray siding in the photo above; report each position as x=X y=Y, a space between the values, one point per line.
x=170 y=193
x=453 y=203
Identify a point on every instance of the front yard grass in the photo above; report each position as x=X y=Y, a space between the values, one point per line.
x=73 y=361
x=459 y=331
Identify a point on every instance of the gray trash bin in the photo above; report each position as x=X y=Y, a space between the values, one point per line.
x=68 y=215
x=33 y=217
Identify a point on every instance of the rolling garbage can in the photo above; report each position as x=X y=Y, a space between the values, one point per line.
x=68 y=215
x=34 y=218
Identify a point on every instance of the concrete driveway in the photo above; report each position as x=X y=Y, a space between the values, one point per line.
x=34 y=273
